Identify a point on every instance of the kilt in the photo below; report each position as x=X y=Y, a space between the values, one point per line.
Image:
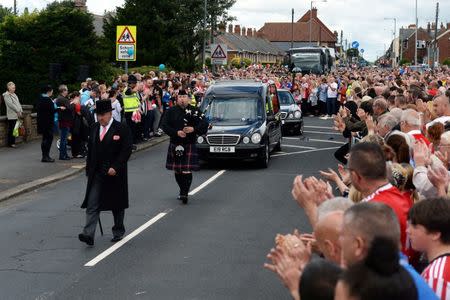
x=186 y=163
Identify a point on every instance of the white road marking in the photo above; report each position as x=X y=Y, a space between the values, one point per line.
x=300 y=147
x=321 y=132
x=119 y=244
x=327 y=141
x=319 y=127
x=206 y=183
x=306 y=151
x=143 y=227
x=292 y=138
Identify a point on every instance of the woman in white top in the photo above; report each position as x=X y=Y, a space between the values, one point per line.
x=117 y=108
x=13 y=111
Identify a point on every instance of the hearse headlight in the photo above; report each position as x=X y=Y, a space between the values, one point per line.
x=200 y=140
x=256 y=138
x=297 y=114
x=246 y=140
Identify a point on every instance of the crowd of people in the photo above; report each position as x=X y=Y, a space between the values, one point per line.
x=385 y=236
x=381 y=220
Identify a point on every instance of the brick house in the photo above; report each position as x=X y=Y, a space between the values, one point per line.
x=443 y=44
x=280 y=33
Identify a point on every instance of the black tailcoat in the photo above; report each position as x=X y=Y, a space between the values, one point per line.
x=113 y=152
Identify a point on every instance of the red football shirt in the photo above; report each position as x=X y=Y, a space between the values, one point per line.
x=400 y=203
x=437 y=275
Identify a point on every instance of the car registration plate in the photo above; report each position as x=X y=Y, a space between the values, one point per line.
x=222 y=149
x=282 y=122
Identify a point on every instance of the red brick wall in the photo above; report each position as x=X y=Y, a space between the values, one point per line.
x=408 y=53
x=444 y=47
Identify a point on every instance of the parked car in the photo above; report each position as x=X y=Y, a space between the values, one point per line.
x=244 y=119
x=291 y=114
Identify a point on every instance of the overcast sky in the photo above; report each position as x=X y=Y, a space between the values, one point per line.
x=361 y=20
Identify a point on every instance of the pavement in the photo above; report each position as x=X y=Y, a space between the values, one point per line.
x=22 y=170
x=212 y=248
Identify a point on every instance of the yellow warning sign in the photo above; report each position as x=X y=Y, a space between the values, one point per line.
x=126 y=43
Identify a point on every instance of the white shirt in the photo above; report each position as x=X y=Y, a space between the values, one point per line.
x=442 y=120
x=116 y=112
x=423 y=186
x=331 y=93
x=107 y=127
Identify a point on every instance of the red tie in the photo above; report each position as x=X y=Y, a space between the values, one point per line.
x=102 y=135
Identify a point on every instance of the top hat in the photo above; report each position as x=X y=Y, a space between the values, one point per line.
x=103 y=106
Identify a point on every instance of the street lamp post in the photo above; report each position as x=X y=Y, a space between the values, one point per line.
x=393 y=42
x=310 y=19
x=415 y=34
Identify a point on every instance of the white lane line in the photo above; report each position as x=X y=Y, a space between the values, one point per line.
x=300 y=147
x=119 y=244
x=321 y=132
x=319 y=127
x=327 y=141
x=143 y=227
x=306 y=151
x=206 y=183
x=292 y=138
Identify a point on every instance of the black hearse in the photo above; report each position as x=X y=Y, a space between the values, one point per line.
x=244 y=119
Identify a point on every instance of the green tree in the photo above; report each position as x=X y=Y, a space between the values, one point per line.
x=4 y=12
x=59 y=34
x=169 y=31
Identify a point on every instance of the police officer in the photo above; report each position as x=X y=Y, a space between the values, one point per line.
x=131 y=104
x=183 y=123
x=109 y=149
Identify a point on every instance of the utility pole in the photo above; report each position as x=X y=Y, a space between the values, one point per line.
x=435 y=58
x=204 y=37
x=15 y=7
x=393 y=41
x=415 y=47
x=292 y=30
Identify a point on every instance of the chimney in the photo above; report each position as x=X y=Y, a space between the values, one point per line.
x=243 y=31
x=222 y=27
x=237 y=29
x=230 y=28
x=448 y=26
x=314 y=13
x=442 y=25
x=428 y=27
x=249 y=32
x=433 y=26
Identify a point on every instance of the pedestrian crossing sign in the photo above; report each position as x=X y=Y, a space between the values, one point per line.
x=126 y=43
x=219 y=54
x=126 y=37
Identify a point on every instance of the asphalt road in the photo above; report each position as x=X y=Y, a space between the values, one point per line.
x=213 y=248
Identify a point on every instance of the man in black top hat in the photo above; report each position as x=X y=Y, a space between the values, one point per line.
x=109 y=149
x=183 y=123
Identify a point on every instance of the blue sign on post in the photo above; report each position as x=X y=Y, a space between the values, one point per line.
x=355 y=44
x=362 y=50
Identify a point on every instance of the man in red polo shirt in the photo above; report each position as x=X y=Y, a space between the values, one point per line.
x=367 y=165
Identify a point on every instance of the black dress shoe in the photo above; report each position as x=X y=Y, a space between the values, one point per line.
x=86 y=239
x=184 y=199
x=47 y=160
x=116 y=239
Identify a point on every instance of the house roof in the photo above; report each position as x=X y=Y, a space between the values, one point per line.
x=253 y=44
x=282 y=31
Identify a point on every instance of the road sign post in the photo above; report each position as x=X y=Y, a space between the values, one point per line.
x=219 y=55
x=126 y=44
